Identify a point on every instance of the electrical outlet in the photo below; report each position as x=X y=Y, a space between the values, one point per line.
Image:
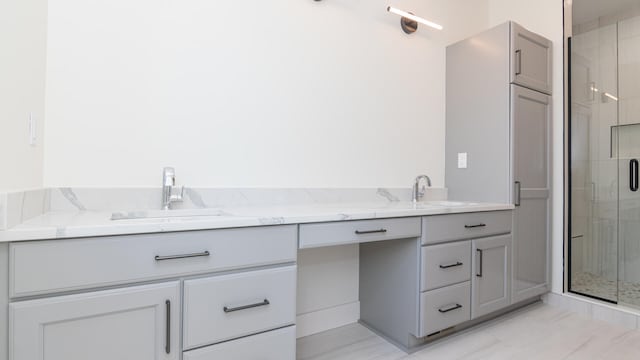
x=462 y=160
x=33 y=130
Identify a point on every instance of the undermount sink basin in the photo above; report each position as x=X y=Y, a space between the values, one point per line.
x=165 y=214
x=451 y=203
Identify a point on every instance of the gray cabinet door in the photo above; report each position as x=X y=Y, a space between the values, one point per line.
x=530 y=59
x=491 y=280
x=136 y=323
x=531 y=120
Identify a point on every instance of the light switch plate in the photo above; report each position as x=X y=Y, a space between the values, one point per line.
x=462 y=160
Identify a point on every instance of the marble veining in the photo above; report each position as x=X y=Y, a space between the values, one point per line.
x=122 y=199
x=387 y=195
x=272 y=220
x=70 y=224
x=195 y=198
x=344 y=216
x=72 y=198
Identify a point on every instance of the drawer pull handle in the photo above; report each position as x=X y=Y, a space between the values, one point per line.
x=446 y=310
x=358 y=232
x=245 y=307
x=479 y=251
x=474 y=226
x=167 y=345
x=518 y=62
x=451 y=265
x=183 y=256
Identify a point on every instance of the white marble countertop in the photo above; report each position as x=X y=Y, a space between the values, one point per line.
x=74 y=224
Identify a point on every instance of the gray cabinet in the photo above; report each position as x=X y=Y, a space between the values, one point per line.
x=146 y=322
x=45 y=267
x=445 y=264
x=414 y=291
x=531 y=61
x=491 y=280
x=445 y=307
x=531 y=152
x=136 y=323
x=225 y=307
x=272 y=345
x=499 y=116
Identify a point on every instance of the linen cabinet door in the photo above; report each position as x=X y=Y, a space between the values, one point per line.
x=491 y=282
x=137 y=323
x=531 y=60
x=531 y=122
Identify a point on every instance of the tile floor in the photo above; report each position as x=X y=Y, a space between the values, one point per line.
x=538 y=331
x=589 y=284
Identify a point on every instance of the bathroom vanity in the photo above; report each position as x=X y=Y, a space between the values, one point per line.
x=216 y=290
x=224 y=283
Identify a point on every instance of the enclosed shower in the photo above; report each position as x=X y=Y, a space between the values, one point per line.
x=604 y=98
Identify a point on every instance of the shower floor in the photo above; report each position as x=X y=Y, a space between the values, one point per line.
x=590 y=284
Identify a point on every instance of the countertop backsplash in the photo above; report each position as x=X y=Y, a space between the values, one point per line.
x=17 y=207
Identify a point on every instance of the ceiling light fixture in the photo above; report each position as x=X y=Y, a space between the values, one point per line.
x=409 y=21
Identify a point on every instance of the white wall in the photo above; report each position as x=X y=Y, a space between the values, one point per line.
x=22 y=67
x=250 y=93
x=545 y=18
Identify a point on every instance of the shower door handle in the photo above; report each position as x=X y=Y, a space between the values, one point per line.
x=633 y=175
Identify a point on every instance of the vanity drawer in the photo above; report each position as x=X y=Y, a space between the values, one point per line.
x=443 y=308
x=225 y=307
x=40 y=267
x=445 y=264
x=273 y=345
x=442 y=228
x=353 y=232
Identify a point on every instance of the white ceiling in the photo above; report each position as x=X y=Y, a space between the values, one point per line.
x=588 y=10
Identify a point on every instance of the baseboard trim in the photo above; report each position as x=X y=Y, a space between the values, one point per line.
x=327 y=319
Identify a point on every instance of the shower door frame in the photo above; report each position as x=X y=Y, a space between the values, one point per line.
x=567 y=178
x=568 y=33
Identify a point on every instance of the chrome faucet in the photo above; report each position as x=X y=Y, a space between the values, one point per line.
x=168 y=184
x=418 y=192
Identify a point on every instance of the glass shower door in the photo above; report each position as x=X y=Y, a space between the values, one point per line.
x=627 y=137
x=594 y=164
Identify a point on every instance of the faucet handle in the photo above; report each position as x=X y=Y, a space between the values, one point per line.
x=177 y=197
x=168 y=176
